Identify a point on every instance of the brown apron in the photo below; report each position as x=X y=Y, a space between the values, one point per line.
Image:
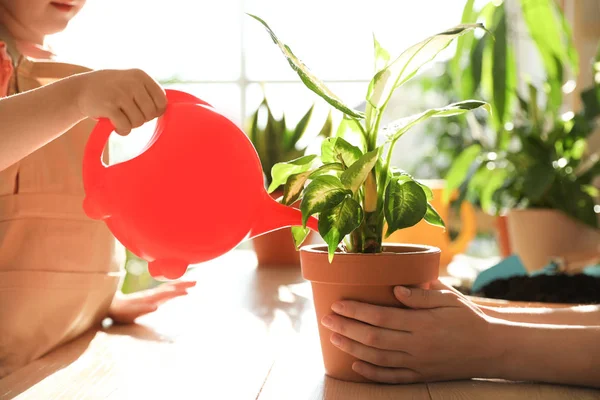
x=59 y=270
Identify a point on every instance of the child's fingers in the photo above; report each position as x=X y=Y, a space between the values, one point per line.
x=161 y=297
x=134 y=114
x=182 y=284
x=158 y=95
x=146 y=105
x=120 y=121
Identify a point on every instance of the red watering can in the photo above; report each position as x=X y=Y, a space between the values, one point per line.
x=195 y=192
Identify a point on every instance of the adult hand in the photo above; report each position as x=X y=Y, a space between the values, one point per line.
x=441 y=336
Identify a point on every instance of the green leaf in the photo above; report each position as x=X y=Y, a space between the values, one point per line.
x=500 y=85
x=327 y=129
x=356 y=174
x=338 y=150
x=338 y=221
x=405 y=176
x=299 y=234
x=537 y=180
x=307 y=77
x=323 y=169
x=301 y=127
x=433 y=218
x=253 y=130
x=405 y=205
x=460 y=168
x=469 y=15
x=409 y=62
x=349 y=129
x=282 y=171
x=551 y=34
x=495 y=180
x=293 y=187
x=396 y=129
x=474 y=70
x=382 y=56
x=323 y=192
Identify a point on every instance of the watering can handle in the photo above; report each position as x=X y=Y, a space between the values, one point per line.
x=92 y=160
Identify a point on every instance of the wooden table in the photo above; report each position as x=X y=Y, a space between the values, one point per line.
x=242 y=333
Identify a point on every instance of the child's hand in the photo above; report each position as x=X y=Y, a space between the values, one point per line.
x=126 y=308
x=443 y=336
x=129 y=98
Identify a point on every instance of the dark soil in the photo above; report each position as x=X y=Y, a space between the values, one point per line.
x=559 y=288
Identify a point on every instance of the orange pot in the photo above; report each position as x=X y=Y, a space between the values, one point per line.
x=538 y=235
x=277 y=249
x=363 y=277
x=502 y=236
x=434 y=236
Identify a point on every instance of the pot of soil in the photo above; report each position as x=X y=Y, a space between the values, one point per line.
x=538 y=235
x=277 y=249
x=362 y=277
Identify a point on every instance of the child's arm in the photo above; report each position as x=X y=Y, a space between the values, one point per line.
x=30 y=120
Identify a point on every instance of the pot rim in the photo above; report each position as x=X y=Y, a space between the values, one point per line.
x=418 y=249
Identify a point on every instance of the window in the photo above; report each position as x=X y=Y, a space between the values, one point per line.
x=221 y=55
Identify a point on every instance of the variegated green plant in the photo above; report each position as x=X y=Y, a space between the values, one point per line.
x=354 y=189
x=275 y=141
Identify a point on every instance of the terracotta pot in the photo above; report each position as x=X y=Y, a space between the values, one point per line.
x=502 y=236
x=363 y=277
x=277 y=249
x=537 y=235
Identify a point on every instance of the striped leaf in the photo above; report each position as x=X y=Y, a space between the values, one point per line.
x=323 y=192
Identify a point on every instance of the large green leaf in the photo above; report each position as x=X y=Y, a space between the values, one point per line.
x=334 y=150
x=356 y=174
x=409 y=62
x=405 y=176
x=396 y=129
x=405 y=205
x=293 y=187
x=299 y=234
x=338 y=221
x=282 y=171
x=460 y=168
x=323 y=192
x=433 y=218
x=307 y=77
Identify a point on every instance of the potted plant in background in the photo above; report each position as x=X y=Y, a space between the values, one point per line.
x=545 y=180
x=354 y=190
x=487 y=68
x=275 y=142
x=531 y=154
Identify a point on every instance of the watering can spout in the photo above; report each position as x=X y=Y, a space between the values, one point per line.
x=274 y=216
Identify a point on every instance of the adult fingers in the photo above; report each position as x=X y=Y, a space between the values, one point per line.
x=382 y=358
x=386 y=375
x=368 y=335
x=386 y=317
x=425 y=298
